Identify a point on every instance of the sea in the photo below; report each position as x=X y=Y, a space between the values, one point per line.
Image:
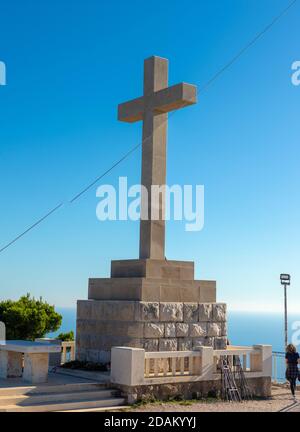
x=244 y=328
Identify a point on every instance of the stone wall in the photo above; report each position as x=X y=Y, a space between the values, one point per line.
x=259 y=387
x=154 y=326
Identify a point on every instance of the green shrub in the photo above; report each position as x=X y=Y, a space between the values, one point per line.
x=66 y=337
x=28 y=318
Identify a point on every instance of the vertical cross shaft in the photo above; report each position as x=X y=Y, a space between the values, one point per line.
x=152 y=232
x=152 y=108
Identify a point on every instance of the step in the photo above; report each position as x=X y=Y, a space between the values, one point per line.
x=102 y=377
x=67 y=406
x=56 y=388
x=35 y=399
x=103 y=409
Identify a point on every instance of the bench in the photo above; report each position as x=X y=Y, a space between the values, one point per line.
x=26 y=359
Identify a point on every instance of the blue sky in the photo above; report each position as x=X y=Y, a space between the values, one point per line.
x=69 y=64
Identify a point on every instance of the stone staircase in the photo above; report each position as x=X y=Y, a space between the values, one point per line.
x=83 y=396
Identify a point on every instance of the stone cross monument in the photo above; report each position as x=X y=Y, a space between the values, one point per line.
x=152 y=109
x=150 y=302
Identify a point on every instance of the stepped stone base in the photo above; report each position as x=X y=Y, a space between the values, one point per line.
x=148 y=289
x=152 y=281
x=152 y=304
x=152 y=268
x=154 y=326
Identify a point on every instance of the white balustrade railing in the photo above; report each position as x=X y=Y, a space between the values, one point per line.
x=172 y=364
x=133 y=366
x=67 y=351
x=250 y=358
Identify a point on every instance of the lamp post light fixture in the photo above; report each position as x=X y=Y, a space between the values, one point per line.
x=285 y=280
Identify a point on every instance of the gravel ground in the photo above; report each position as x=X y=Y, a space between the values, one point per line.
x=281 y=399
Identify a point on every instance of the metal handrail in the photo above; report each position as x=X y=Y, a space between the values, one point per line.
x=278 y=375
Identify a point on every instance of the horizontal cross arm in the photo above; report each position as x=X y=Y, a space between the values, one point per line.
x=163 y=101
x=175 y=97
x=131 y=111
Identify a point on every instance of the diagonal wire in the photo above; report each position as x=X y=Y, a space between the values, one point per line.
x=38 y=222
x=247 y=46
x=106 y=172
x=126 y=155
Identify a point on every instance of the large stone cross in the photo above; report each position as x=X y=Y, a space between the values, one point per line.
x=152 y=109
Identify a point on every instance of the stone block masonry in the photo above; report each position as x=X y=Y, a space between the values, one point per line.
x=154 y=326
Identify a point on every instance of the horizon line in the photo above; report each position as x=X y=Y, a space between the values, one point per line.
x=269 y=310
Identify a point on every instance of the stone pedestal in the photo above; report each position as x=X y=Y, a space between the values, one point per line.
x=36 y=367
x=11 y=364
x=152 y=304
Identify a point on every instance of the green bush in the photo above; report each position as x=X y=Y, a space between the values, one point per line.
x=28 y=318
x=66 y=337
